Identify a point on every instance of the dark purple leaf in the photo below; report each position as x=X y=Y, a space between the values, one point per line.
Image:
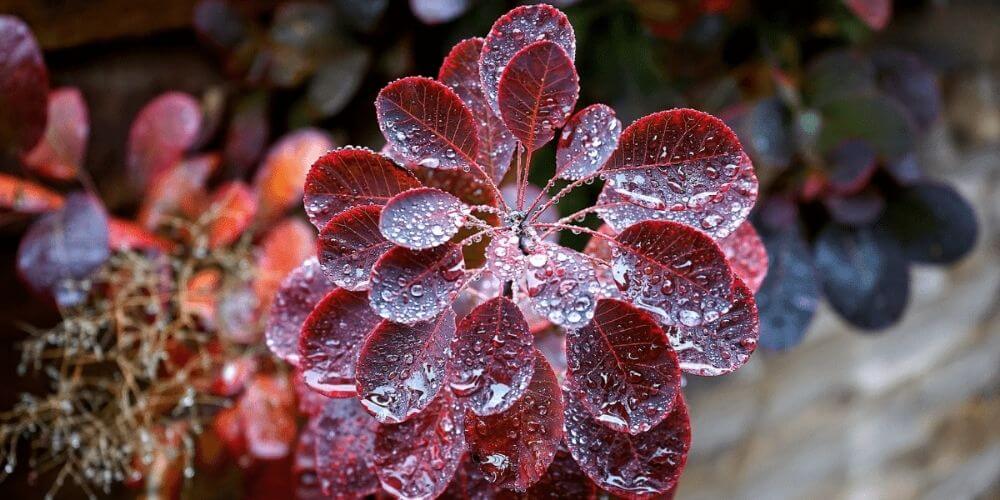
x=850 y=166
x=402 y=367
x=63 y=247
x=905 y=78
x=221 y=23
x=537 y=92
x=561 y=284
x=422 y=218
x=460 y=71
x=624 y=367
x=859 y=209
x=587 y=141
x=427 y=123
x=875 y=119
x=349 y=246
x=865 y=275
x=514 y=31
x=160 y=135
x=298 y=295
x=349 y=177
x=933 y=223
x=248 y=132
x=765 y=129
x=514 y=448
x=331 y=340
x=489 y=371
x=408 y=286
x=790 y=293
x=683 y=166
x=623 y=464
x=418 y=458
x=722 y=346
x=24 y=87
x=59 y=155
x=345 y=449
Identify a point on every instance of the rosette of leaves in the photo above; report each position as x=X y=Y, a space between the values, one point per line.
x=850 y=210
x=434 y=347
x=161 y=314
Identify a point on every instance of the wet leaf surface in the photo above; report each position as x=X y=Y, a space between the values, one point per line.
x=345 y=449
x=623 y=464
x=278 y=183
x=416 y=285
x=722 y=346
x=514 y=448
x=299 y=293
x=283 y=248
x=679 y=165
x=24 y=87
x=422 y=218
x=331 y=340
x=469 y=483
x=537 y=92
x=160 y=135
x=60 y=153
x=624 y=367
x=402 y=367
x=587 y=141
x=350 y=244
x=349 y=177
x=489 y=371
x=933 y=223
x=563 y=479
x=561 y=285
x=790 y=293
x=746 y=255
x=858 y=210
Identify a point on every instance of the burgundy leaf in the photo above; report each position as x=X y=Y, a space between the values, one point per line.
x=247 y=135
x=402 y=367
x=723 y=345
x=874 y=13
x=24 y=87
x=465 y=186
x=21 y=196
x=267 y=408
x=600 y=248
x=298 y=295
x=561 y=284
x=331 y=341
x=161 y=133
x=537 y=92
x=504 y=257
x=63 y=246
x=587 y=141
x=563 y=479
x=905 y=78
x=679 y=165
x=469 y=483
x=350 y=244
x=746 y=255
x=551 y=342
x=514 y=31
x=419 y=457
x=460 y=71
x=427 y=123
x=416 y=285
x=624 y=367
x=283 y=248
x=311 y=403
x=304 y=465
x=488 y=368
x=349 y=177
x=676 y=272
x=59 y=155
x=514 y=448
x=180 y=190
x=422 y=218
x=345 y=449
x=625 y=464
x=278 y=183
x=932 y=223
x=438 y=11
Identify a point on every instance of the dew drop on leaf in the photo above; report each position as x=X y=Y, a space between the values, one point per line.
x=350 y=244
x=537 y=92
x=345 y=449
x=561 y=284
x=408 y=286
x=746 y=254
x=331 y=339
x=587 y=141
x=299 y=293
x=422 y=218
x=721 y=346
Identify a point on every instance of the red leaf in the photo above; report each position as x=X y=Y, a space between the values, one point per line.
x=469 y=483
x=489 y=372
x=268 y=415
x=418 y=458
x=349 y=177
x=676 y=272
x=232 y=209
x=874 y=13
x=563 y=479
x=59 y=155
x=162 y=132
x=402 y=367
x=514 y=448
x=311 y=403
x=26 y=197
x=345 y=449
x=232 y=378
x=126 y=235
x=331 y=339
x=514 y=31
x=278 y=183
x=504 y=257
x=350 y=244
x=228 y=425
x=304 y=465
x=460 y=71
x=68 y=244
x=600 y=248
x=623 y=464
x=624 y=367
x=562 y=285
x=179 y=190
x=587 y=141
x=465 y=186
x=746 y=254
x=680 y=165
x=537 y=92
x=24 y=87
x=427 y=123
x=416 y=285
x=422 y=218
x=283 y=249
x=724 y=345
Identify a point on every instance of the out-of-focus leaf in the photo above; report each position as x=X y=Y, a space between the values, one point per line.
x=336 y=81
x=283 y=249
x=59 y=155
x=932 y=222
x=295 y=300
x=267 y=409
x=905 y=78
x=838 y=75
x=21 y=196
x=865 y=275
x=301 y=35
x=850 y=166
x=362 y=15
x=65 y=246
x=247 y=134
x=746 y=255
x=874 y=119
x=905 y=170
x=874 y=13
x=858 y=209
x=127 y=235
x=161 y=133
x=438 y=11
x=24 y=87
x=232 y=209
x=279 y=182
x=221 y=23
x=765 y=129
x=180 y=190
